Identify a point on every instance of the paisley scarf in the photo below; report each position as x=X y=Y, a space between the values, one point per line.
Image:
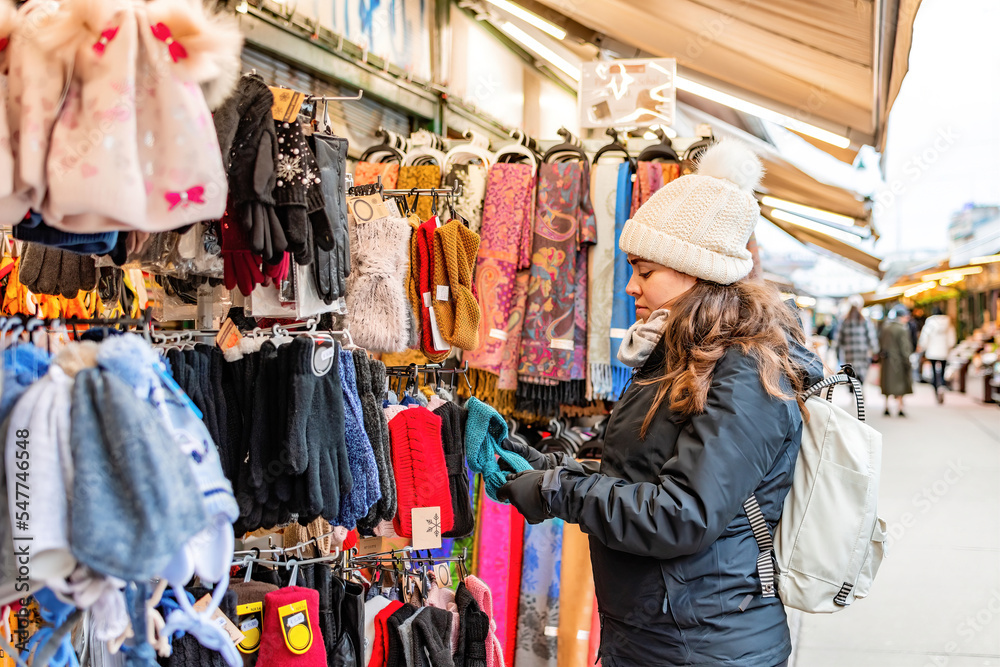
x=504 y=248
x=367 y=173
x=554 y=338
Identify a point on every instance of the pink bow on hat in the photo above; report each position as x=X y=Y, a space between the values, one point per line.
x=195 y=194
x=162 y=32
x=106 y=37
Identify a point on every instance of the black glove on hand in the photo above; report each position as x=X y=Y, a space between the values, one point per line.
x=535 y=458
x=524 y=491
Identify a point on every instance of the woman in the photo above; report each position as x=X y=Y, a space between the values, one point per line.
x=709 y=419
x=897 y=346
x=936 y=340
x=856 y=339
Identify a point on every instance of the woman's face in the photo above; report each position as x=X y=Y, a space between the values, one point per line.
x=655 y=286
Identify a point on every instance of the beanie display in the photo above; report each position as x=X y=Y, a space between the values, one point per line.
x=421 y=473
x=291 y=636
x=455 y=305
x=700 y=224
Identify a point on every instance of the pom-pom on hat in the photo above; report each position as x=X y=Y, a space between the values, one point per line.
x=700 y=224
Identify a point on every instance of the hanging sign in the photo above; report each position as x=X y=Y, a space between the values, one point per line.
x=628 y=93
x=426 y=527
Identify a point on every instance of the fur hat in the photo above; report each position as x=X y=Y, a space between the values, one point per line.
x=455 y=305
x=700 y=224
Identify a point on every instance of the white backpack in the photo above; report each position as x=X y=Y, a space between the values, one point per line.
x=830 y=541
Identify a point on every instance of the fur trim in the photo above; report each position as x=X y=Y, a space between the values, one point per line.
x=734 y=161
x=212 y=41
x=77 y=22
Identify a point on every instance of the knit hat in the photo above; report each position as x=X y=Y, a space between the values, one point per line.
x=421 y=473
x=291 y=635
x=700 y=224
x=250 y=615
x=455 y=304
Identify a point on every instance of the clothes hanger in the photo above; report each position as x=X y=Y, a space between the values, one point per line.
x=614 y=146
x=474 y=150
x=388 y=139
x=661 y=151
x=570 y=149
x=426 y=149
x=517 y=150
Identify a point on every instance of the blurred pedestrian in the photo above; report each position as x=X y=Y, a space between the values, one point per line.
x=895 y=350
x=936 y=340
x=856 y=339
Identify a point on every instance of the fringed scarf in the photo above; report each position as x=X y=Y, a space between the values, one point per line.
x=538 y=612
x=504 y=248
x=623 y=306
x=564 y=227
x=604 y=194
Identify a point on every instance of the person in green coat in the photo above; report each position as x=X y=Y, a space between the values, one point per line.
x=895 y=347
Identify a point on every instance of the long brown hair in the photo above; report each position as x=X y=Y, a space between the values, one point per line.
x=708 y=320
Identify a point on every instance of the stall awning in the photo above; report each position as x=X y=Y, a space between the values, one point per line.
x=835 y=64
x=829 y=244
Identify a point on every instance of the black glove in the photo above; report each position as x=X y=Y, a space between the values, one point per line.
x=297 y=173
x=535 y=458
x=524 y=491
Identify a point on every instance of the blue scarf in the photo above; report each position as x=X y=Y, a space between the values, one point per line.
x=623 y=307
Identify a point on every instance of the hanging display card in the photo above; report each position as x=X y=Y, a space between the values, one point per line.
x=426 y=527
x=628 y=93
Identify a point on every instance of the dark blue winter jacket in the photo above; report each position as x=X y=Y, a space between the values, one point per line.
x=673 y=554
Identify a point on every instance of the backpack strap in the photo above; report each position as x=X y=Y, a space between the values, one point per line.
x=766 y=563
x=829 y=383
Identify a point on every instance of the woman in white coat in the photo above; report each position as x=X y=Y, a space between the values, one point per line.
x=936 y=340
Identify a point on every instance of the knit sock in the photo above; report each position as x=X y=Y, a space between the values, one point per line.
x=291 y=635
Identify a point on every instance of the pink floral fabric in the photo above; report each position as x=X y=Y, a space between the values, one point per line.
x=504 y=248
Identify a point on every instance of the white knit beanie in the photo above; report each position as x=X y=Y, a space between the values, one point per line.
x=700 y=224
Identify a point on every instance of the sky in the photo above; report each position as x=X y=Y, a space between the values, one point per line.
x=943 y=147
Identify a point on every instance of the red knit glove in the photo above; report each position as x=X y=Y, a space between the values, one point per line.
x=291 y=636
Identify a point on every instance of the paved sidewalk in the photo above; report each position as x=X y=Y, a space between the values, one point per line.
x=936 y=600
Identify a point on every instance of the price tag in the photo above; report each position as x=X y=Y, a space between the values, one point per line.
x=220 y=619
x=370 y=208
x=287 y=104
x=229 y=336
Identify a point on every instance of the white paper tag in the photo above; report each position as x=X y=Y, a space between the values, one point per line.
x=427 y=299
x=583 y=635
x=498 y=334
x=439 y=342
x=551 y=631
x=618 y=333
x=562 y=344
x=297 y=619
x=426 y=527
x=249 y=624
x=443 y=292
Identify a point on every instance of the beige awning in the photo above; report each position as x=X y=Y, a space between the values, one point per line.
x=811 y=237
x=785 y=181
x=833 y=64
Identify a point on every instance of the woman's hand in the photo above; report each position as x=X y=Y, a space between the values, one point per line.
x=535 y=458
x=524 y=491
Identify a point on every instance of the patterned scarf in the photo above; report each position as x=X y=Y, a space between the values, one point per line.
x=505 y=248
x=538 y=612
x=367 y=173
x=604 y=194
x=420 y=176
x=469 y=204
x=553 y=341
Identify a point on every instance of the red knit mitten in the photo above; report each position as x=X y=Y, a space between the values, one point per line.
x=291 y=634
